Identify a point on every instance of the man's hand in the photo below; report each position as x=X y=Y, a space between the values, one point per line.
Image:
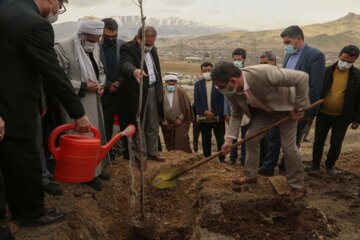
x=137 y=74
x=209 y=114
x=114 y=87
x=92 y=86
x=2 y=129
x=82 y=124
x=100 y=91
x=354 y=125
x=178 y=122
x=297 y=115
x=227 y=118
x=226 y=147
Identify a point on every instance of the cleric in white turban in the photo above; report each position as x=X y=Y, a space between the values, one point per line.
x=178 y=116
x=80 y=57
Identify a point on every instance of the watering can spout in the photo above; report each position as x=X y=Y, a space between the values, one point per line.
x=129 y=132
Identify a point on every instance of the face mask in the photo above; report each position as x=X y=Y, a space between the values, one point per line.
x=238 y=64
x=52 y=17
x=170 y=88
x=148 y=49
x=289 y=49
x=344 y=66
x=227 y=93
x=89 y=46
x=207 y=76
x=109 y=41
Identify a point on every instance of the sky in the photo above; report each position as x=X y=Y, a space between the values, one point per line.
x=239 y=14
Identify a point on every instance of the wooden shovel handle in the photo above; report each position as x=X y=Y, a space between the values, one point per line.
x=260 y=132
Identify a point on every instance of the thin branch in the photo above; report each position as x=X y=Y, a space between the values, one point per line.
x=134 y=2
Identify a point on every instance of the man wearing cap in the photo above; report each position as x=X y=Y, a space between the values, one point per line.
x=27 y=41
x=80 y=57
x=178 y=116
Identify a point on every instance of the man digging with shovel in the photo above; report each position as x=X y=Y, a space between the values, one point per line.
x=265 y=94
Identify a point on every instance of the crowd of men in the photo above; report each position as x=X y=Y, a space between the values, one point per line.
x=44 y=84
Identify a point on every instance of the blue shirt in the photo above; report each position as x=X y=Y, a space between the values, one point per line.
x=294 y=58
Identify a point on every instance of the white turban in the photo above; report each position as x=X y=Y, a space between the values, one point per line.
x=87 y=26
x=170 y=77
x=90 y=26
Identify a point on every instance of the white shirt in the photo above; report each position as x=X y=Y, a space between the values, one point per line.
x=170 y=97
x=150 y=66
x=208 y=93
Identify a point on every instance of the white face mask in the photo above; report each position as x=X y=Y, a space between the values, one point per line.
x=344 y=66
x=207 y=76
x=52 y=17
x=89 y=46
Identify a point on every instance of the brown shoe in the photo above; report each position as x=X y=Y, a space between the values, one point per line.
x=244 y=180
x=157 y=158
x=297 y=194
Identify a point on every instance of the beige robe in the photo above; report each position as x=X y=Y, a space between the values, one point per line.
x=91 y=101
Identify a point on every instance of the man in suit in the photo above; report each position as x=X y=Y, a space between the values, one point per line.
x=110 y=58
x=152 y=99
x=28 y=45
x=209 y=105
x=264 y=93
x=341 y=107
x=299 y=56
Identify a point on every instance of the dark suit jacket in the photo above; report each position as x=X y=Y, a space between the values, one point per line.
x=130 y=60
x=351 y=111
x=113 y=99
x=200 y=100
x=311 y=61
x=26 y=44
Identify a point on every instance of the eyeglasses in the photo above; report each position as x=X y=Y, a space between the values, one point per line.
x=62 y=8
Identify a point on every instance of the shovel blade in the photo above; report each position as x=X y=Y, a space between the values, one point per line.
x=166 y=179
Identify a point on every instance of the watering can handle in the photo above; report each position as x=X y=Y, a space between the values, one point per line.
x=56 y=132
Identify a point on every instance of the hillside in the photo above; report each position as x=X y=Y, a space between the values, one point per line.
x=329 y=37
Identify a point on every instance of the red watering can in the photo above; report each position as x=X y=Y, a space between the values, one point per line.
x=77 y=156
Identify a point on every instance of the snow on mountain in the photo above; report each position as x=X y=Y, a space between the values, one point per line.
x=167 y=27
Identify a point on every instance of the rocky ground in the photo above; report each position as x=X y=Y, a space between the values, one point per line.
x=205 y=204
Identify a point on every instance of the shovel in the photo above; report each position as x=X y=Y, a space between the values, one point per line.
x=169 y=178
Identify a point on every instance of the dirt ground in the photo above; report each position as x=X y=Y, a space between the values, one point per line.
x=205 y=204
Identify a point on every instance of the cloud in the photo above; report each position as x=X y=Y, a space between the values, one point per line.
x=92 y=3
x=177 y=2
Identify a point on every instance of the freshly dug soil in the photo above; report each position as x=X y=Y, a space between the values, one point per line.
x=206 y=205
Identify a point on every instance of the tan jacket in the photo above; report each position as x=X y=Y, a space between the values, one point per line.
x=278 y=88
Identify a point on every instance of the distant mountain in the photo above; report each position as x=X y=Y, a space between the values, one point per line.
x=168 y=27
x=329 y=37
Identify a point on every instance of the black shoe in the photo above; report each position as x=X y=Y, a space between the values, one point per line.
x=232 y=162
x=5 y=234
x=331 y=170
x=48 y=218
x=95 y=184
x=313 y=167
x=266 y=172
x=53 y=189
x=105 y=176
